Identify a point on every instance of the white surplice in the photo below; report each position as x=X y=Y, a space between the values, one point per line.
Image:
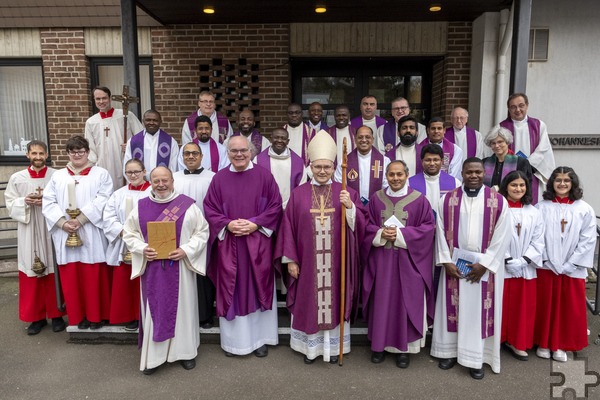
x=194 y=236
x=530 y=243
x=194 y=185
x=206 y=162
x=466 y=344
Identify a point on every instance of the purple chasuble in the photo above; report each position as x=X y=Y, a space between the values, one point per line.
x=489 y=165
x=390 y=135
x=241 y=266
x=163 y=152
x=397 y=282
x=471 y=139
x=307 y=134
x=493 y=208
x=353 y=171
x=446 y=183
x=255 y=138
x=297 y=167
x=160 y=281
x=310 y=235
x=222 y=121
x=447 y=148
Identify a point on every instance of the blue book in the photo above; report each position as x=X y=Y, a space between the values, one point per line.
x=462 y=266
x=521 y=154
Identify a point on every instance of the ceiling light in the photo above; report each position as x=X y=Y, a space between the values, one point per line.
x=320 y=9
x=208 y=10
x=435 y=7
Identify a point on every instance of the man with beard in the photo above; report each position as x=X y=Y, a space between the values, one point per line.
x=342 y=130
x=300 y=133
x=406 y=149
x=286 y=166
x=214 y=154
x=152 y=146
x=452 y=158
x=23 y=196
x=468 y=309
x=315 y=117
x=389 y=138
x=246 y=124
x=221 y=128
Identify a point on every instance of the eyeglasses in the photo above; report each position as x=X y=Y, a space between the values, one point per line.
x=400 y=108
x=191 y=153
x=325 y=168
x=77 y=153
x=131 y=173
x=238 y=151
x=565 y=181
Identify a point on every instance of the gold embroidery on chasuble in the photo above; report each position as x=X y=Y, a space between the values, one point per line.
x=396 y=210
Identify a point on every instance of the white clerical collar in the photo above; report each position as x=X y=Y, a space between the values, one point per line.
x=431 y=178
x=232 y=169
x=314 y=182
x=524 y=120
x=156 y=199
x=368 y=155
x=463 y=130
x=372 y=119
x=284 y=154
x=399 y=193
x=315 y=127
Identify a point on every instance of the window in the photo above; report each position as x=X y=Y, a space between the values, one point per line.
x=538 y=44
x=22 y=108
x=109 y=72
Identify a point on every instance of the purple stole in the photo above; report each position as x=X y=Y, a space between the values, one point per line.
x=255 y=138
x=163 y=152
x=493 y=208
x=222 y=121
x=471 y=140
x=489 y=165
x=533 y=126
x=307 y=134
x=214 y=153
x=445 y=181
x=390 y=133
x=297 y=167
x=357 y=122
x=161 y=277
x=353 y=174
x=351 y=131
x=447 y=148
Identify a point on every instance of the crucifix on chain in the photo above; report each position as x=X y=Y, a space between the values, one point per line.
x=125 y=99
x=321 y=210
x=518 y=226
x=563 y=222
x=106 y=130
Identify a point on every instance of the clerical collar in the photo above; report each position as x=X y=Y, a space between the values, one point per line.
x=232 y=169
x=156 y=199
x=315 y=127
x=35 y=174
x=398 y=193
x=364 y=155
x=514 y=204
x=563 y=200
x=472 y=192
x=314 y=182
x=432 y=177
x=524 y=120
x=194 y=172
x=285 y=154
x=140 y=188
x=107 y=114
x=85 y=170
x=151 y=134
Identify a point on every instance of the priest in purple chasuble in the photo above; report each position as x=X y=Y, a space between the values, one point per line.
x=152 y=146
x=397 y=286
x=169 y=328
x=309 y=242
x=243 y=208
x=342 y=130
x=468 y=308
x=366 y=166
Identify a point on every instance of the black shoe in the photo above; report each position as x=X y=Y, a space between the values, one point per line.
x=95 y=325
x=476 y=373
x=85 y=324
x=228 y=354
x=308 y=360
x=377 y=357
x=402 y=360
x=188 y=364
x=149 y=371
x=58 y=324
x=206 y=324
x=334 y=359
x=447 y=363
x=512 y=350
x=132 y=325
x=262 y=351
x=36 y=327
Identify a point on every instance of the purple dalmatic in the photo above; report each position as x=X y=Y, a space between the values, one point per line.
x=447 y=148
x=255 y=138
x=222 y=121
x=492 y=209
x=471 y=139
x=375 y=171
x=160 y=281
x=397 y=282
x=163 y=152
x=310 y=235
x=241 y=266
x=297 y=175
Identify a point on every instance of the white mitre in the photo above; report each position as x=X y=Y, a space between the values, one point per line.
x=322 y=147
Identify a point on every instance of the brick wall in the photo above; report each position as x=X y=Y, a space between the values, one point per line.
x=178 y=52
x=67 y=85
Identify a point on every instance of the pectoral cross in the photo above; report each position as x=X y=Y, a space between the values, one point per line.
x=518 y=226
x=321 y=210
x=376 y=168
x=39 y=190
x=106 y=130
x=563 y=222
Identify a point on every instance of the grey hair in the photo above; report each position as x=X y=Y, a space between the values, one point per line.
x=498 y=131
x=250 y=145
